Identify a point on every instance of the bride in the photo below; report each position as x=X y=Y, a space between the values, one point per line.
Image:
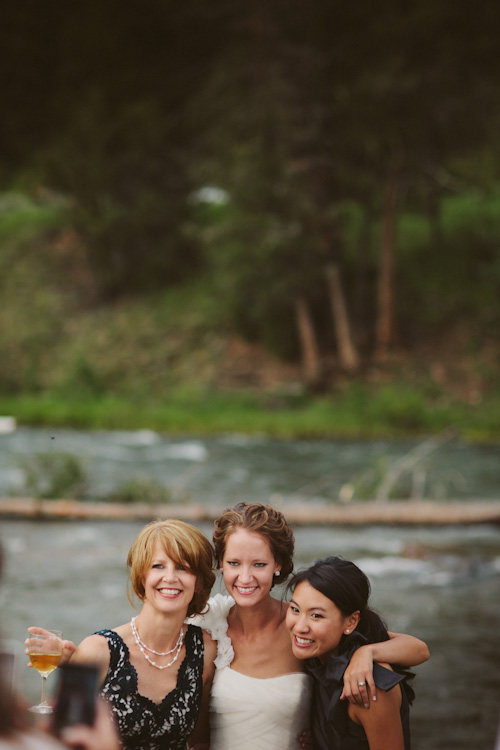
x=261 y=696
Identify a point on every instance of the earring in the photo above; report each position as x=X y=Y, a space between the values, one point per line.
x=277 y=572
x=347 y=632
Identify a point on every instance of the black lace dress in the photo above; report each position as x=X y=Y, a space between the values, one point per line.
x=143 y=724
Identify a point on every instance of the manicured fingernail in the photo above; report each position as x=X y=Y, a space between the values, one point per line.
x=374 y=698
x=367 y=705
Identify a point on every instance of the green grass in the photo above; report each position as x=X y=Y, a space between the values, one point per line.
x=356 y=411
x=23 y=218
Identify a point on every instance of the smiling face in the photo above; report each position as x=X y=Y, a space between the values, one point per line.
x=168 y=586
x=248 y=566
x=316 y=624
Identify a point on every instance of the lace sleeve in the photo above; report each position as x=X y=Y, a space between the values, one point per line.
x=214 y=621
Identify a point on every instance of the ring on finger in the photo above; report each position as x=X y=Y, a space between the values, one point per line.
x=360 y=684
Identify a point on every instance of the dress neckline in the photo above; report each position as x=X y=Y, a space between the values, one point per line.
x=263 y=679
x=180 y=674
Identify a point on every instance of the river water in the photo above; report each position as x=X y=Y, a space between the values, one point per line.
x=441 y=584
x=225 y=469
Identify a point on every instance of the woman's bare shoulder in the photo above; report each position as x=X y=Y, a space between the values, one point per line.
x=94 y=649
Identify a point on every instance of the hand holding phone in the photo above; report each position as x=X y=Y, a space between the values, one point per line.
x=102 y=736
x=76 y=696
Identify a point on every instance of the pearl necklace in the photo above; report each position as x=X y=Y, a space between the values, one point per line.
x=143 y=647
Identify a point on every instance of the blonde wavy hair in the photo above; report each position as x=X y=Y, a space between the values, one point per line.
x=185 y=545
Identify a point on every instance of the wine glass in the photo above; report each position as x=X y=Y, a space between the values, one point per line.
x=45 y=650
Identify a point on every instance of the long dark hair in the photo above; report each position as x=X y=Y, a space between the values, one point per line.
x=349 y=589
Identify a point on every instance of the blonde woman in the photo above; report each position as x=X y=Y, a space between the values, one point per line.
x=156 y=671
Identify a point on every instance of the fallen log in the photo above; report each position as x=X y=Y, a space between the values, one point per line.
x=394 y=512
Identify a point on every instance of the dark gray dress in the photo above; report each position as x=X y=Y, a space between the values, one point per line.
x=332 y=727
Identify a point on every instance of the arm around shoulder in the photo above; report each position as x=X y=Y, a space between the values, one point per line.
x=405 y=650
x=402 y=649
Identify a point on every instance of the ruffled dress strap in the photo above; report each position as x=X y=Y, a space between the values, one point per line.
x=214 y=621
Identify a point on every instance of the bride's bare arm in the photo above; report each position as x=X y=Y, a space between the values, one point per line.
x=405 y=650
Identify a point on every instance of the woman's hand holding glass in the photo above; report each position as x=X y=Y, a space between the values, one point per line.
x=68 y=646
x=45 y=649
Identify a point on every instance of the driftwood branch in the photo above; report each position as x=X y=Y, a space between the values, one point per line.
x=409 y=461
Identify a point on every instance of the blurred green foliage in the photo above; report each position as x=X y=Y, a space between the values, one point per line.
x=120 y=278
x=141 y=490
x=60 y=475
x=54 y=475
x=52 y=337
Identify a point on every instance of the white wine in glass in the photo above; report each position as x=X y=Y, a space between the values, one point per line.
x=45 y=651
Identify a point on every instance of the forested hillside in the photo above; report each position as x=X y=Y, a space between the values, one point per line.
x=243 y=195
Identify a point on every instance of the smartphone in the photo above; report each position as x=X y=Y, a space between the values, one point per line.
x=76 y=696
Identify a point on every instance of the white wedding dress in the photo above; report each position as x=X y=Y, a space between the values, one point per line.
x=247 y=713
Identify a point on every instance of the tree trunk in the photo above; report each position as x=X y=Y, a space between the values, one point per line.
x=348 y=356
x=360 y=294
x=385 y=318
x=311 y=365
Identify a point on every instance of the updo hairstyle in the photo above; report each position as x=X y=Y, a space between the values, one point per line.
x=261 y=519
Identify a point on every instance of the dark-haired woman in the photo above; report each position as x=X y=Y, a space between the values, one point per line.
x=328 y=620
x=261 y=694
